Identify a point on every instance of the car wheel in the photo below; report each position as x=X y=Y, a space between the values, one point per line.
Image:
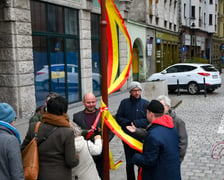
x=192 y=88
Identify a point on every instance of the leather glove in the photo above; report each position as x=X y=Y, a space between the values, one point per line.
x=97 y=131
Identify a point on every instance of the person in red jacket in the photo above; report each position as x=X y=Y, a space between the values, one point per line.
x=160 y=157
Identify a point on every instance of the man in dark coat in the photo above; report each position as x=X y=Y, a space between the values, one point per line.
x=132 y=110
x=179 y=124
x=85 y=120
x=160 y=157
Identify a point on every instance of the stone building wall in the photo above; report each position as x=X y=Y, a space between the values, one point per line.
x=85 y=50
x=16 y=57
x=16 y=54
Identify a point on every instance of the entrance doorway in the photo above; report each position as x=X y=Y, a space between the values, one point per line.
x=135 y=64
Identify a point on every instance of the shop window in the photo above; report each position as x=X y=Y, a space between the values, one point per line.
x=56 y=51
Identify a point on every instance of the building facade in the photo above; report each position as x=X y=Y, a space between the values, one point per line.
x=54 y=45
x=198 y=23
x=50 y=45
x=218 y=38
x=161 y=38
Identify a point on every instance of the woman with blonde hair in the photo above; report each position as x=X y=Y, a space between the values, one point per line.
x=85 y=148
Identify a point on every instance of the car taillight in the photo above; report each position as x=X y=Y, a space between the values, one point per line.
x=204 y=74
x=39 y=73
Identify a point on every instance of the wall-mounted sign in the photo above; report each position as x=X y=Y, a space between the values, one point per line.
x=222 y=46
x=183 y=49
x=187 y=40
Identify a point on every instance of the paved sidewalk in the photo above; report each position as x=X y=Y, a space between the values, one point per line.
x=203 y=117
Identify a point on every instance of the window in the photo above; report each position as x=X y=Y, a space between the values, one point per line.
x=209 y=68
x=165 y=24
x=192 y=11
x=157 y=21
x=55 y=51
x=96 y=63
x=210 y=19
x=210 y=1
x=172 y=69
x=186 y=68
x=170 y=26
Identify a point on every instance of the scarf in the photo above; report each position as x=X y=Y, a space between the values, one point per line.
x=56 y=120
x=12 y=129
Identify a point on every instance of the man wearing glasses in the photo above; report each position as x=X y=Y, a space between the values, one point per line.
x=132 y=110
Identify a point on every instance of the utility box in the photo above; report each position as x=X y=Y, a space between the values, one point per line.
x=153 y=89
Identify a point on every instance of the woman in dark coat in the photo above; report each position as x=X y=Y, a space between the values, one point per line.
x=57 y=155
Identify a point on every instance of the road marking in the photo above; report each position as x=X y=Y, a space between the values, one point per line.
x=221 y=126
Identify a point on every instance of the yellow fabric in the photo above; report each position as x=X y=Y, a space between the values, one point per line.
x=115 y=20
x=113 y=165
x=108 y=119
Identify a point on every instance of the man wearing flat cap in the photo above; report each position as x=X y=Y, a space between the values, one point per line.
x=132 y=110
x=160 y=157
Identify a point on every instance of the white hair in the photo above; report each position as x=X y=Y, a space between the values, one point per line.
x=166 y=100
x=76 y=129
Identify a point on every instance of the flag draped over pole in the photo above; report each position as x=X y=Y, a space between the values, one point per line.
x=114 y=21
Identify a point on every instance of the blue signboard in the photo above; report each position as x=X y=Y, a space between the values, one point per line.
x=183 y=49
x=222 y=46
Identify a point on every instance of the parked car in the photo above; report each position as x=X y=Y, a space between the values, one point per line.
x=58 y=77
x=190 y=76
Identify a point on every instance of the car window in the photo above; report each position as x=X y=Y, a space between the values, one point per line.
x=209 y=68
x=172 y=69
x=70 y=69
x=186 y=68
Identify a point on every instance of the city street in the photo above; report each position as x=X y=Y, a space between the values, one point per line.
x=204 y=118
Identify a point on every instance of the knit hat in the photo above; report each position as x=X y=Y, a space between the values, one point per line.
x=155 y=106
x=7 y=113
x=134 y=84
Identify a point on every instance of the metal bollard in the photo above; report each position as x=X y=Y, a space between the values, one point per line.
x=205 y=90
x=178 y=88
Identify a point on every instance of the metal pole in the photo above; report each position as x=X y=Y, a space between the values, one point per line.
x=205 y=90
x=103 y=36
x=178 y=88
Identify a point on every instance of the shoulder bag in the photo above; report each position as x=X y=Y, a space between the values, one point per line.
x=30 y=155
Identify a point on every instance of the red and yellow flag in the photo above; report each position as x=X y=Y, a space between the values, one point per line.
x=115 y=22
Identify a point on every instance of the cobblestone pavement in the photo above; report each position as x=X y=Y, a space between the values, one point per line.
x=203 y=116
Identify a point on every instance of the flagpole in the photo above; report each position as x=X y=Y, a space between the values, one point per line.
x=103 y=25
